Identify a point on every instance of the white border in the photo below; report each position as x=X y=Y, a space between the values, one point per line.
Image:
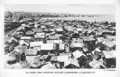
x=21 y=73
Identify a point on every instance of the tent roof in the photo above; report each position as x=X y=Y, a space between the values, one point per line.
x=109 y=54
x=20 y=49
x=88 y=38
x=62 y=58
x=95 y=64
x=71 y=61
x=37 y=30
x=53 y=37
x=77 y=54
x=108 y=43
x=47 y=46
x=25 y=37
x=33 y=44
x=77 y=44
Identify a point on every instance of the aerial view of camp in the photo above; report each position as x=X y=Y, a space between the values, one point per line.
x=34 y=40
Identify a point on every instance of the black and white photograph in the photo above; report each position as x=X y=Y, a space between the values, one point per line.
x=70 y=36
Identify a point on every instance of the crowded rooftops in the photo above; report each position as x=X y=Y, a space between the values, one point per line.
x=61 y=43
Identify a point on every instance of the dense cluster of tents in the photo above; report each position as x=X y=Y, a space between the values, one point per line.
x=62 y=44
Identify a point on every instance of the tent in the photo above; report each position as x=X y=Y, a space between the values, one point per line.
x=29 y=33
x=12 y=38
x=60 y=29
x=108 y=43
x=33 y=61
x=31 y=52
x=62 y=46
x=37 y=30
x=30 y=59
x=22 y=42
x=111 y=37
x=36 y=44
x=58 y=41
x=9 y=58
x=78 y=54
x=53 y=37
x=100 y=39
x=20 y=49
x=79 y=29
x=25 y=38
x=96 y=64
x=71 y=63
x=36 y=25
x=69 y=28
x=109 y=54
x=76 y=45
x=47 y=47
x=40 y=35
x=88 y=38
x=55 y=41
x=43 y=26
x=63 y=58
x=50 y=41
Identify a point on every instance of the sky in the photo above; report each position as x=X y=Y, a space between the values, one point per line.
x=64 y=8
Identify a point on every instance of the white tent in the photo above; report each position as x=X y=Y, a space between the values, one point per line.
x=108 y=43
x=43 y=26
x=109 y=54
x=71 y=61
x=78 y=54
x=9 y=58
x=12 y=38
x=31 y=52
x=59 y=29
x=62 y=46
x=58 y=41
x=77 y=44
x=79 y=29
x=30 y=59
x=55 y=41
x=50 y=41
x=62 y=58
x=95 y=64
x=22 y=42
x=36 y=25
x=40 y=35
x=20 y=49
x=36 y=44
x=25 y=38
x=47 y=47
